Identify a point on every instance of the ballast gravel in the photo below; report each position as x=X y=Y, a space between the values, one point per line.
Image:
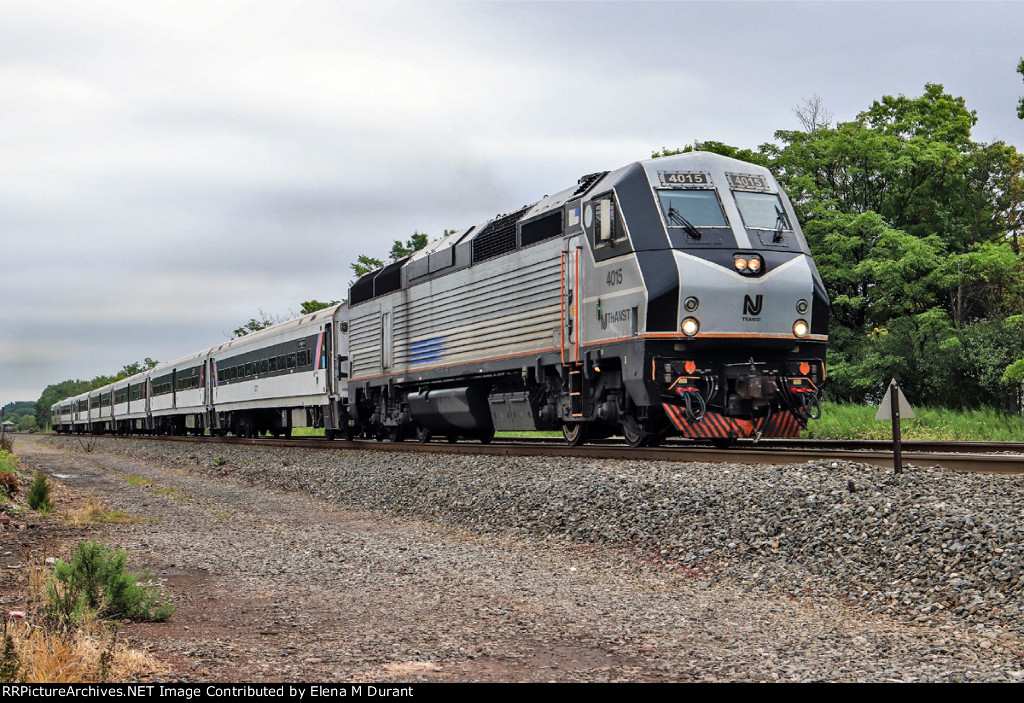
x=343 y=565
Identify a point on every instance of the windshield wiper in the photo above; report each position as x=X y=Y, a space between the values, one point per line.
x=677 y=219
x=780 y=223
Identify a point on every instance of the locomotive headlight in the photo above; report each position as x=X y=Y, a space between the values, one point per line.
x=690 y=326
x=748 y=264
x=800 y=328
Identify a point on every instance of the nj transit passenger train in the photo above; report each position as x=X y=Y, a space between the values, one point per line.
x=673 y=296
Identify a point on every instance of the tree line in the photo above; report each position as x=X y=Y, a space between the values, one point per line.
x=916 y=231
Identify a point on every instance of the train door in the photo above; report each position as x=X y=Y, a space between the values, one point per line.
x=327 y=361
x=571 y=298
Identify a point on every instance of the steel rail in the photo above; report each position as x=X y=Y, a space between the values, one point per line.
x=749 y=453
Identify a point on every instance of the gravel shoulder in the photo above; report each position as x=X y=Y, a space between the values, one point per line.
x=306 y=565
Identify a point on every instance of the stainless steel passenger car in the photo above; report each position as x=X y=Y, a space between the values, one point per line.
x=270 y=381
x=282 y=377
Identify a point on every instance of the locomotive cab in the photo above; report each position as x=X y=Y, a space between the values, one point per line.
x=707 y=253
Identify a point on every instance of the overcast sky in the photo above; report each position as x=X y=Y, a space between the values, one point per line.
x=169 y=169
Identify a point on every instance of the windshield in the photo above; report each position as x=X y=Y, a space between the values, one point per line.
x=693 y=208
x=762 y=210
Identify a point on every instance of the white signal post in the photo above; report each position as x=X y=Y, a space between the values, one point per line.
x=893 y=404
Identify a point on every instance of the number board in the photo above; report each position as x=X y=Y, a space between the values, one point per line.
x=743 y=181
x=679 y=179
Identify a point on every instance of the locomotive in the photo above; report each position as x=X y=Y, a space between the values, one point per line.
x=672 y=296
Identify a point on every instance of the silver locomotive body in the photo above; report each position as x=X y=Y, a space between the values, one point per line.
x=672 y=296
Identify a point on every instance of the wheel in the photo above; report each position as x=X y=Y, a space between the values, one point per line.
x=640 y=434
x=723 y=442
x=394 y=434
x=423 y=435
x=452 y=438
x=486 y=437
x=635 y=437
x=575 y=433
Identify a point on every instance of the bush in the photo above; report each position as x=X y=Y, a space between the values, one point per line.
x=39 y=495
x=96 y=582
x=8 y=485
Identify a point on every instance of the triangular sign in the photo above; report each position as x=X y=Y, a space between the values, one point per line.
x=885 y=407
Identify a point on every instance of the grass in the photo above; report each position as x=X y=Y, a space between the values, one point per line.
x=94 y=512
x=308 y=432
x=8 y=461
x=172 y=492
x=140 y=481
x=839 y=421
x=89 y=655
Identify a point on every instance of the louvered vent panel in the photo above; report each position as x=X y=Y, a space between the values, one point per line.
x=497 y=238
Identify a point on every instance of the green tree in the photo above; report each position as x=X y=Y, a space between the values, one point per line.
x=311 y=306
x=55 y=393
x=1020 y=105
x=136 y=367
x=364 y=264
x=416 y=242
x=256 y=324
x=907 y=219
x=714 y=147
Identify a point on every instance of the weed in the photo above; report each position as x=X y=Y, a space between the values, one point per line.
x=8 y=461
x=8 y=485
x=88 y=444
x=10 y=662
x=39 y=495
x=96 y=583
x=220 y=461
x=140 y=481
x=93 y=511
x=172 y=492
x=87 y=655
x=107 y=657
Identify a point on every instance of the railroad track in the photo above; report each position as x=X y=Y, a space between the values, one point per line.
x=995 y=457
